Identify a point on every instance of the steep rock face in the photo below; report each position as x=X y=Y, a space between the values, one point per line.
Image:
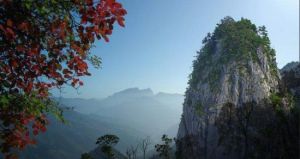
x=236 y=65
x=291 y=79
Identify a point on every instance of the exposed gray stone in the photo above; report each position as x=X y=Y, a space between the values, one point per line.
x=237 y=82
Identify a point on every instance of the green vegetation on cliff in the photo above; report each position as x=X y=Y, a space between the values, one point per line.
x=231 y=41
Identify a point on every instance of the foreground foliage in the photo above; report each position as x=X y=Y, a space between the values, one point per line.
x=106 y=142
x=45 y=44
x=164 y=150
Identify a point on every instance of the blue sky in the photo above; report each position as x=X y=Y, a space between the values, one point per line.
x=156 y=48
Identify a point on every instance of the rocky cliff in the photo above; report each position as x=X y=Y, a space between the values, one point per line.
x=290 y=77
x=235 y=65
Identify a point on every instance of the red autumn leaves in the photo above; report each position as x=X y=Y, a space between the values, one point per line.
x=35 y=51
x=18 y=133
x=101 y=18
x=9 y=33
x=43 y=49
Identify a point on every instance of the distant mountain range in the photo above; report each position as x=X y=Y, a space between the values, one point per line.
x=77 y=136
x=131 y=114
x=140 y=109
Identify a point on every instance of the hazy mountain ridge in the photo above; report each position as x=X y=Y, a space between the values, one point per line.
x=139 y=109
x=98 y=154
x=77 y=136
x=131 y=114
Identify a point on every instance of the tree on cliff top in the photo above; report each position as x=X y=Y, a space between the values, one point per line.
x=107 y=142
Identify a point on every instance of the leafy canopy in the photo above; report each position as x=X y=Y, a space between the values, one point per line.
x=236 y=41
x=45 y=44
x=164 y=149
x=107 y=142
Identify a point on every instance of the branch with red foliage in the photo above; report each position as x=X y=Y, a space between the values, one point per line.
x=45 y=44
